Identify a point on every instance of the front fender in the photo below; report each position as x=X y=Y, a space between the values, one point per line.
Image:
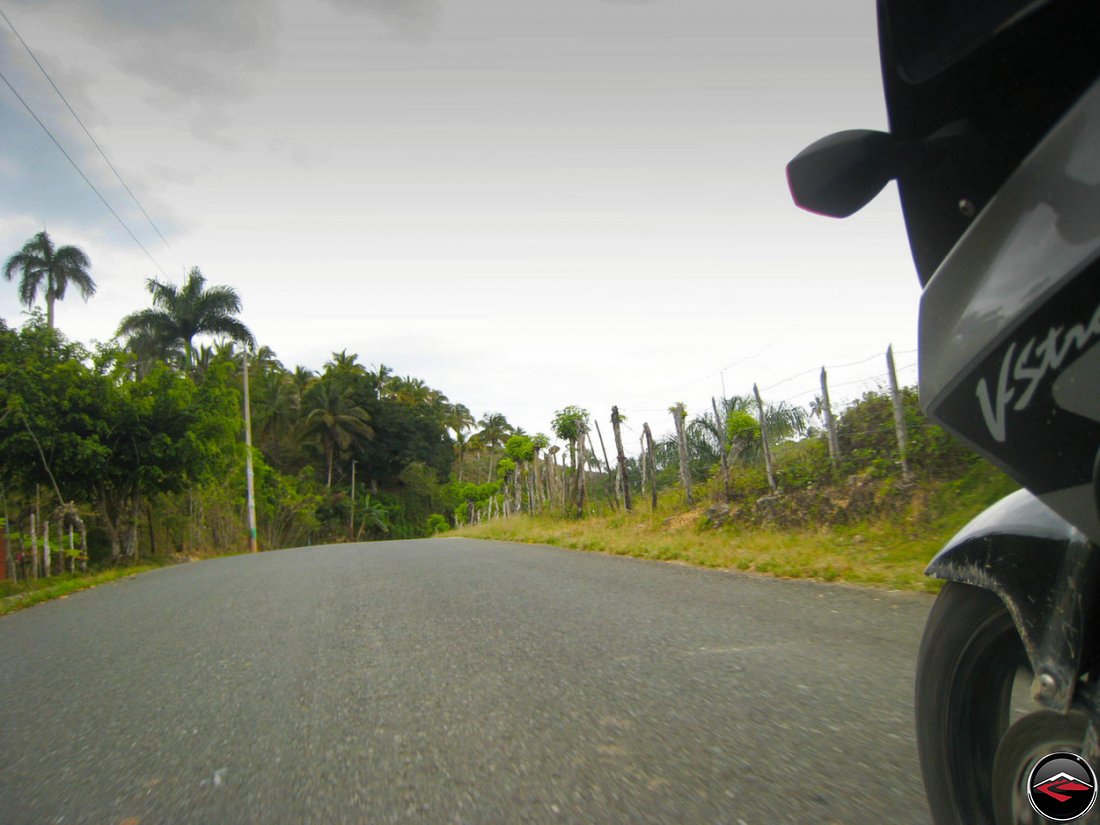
x=1044 y=569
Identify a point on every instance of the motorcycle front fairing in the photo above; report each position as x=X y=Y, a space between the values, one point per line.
x=1010 y=323
x=1010 y=362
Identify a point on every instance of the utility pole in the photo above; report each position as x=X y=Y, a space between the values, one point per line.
x=830 y=422
x=248 y=462
x=899 y=415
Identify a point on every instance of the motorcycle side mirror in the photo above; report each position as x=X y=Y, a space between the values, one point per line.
x=840 y=174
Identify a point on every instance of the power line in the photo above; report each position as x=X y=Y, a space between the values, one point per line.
x=95 y=143
x=80 y=172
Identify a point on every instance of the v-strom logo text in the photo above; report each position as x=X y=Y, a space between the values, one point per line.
x=1021 y=374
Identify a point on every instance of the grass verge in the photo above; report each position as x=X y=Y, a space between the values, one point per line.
x=25 y=594
x=888 y=551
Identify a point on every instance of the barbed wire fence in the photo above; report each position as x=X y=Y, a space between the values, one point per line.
x=824 y=392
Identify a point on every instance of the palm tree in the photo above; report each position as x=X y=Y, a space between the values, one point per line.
x=276 y=408
x=303 y=378
x=381 y=378
x=42 y=265
x=458 y=418
x=344 y=364
x=742 y=435
x=336 y=421
x=494 y=430
x=412 y=391
x=181 y=313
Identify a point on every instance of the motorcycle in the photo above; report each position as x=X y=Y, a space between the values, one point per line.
x=994 y=141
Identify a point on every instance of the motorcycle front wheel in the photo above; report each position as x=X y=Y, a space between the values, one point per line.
x=978 y=731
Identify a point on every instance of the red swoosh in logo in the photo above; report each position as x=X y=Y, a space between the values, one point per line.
x=1052 y=789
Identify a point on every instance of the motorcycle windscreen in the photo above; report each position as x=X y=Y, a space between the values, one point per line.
x=1002 y=73
x=1010 y=323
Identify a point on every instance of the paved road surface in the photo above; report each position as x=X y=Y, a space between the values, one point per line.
x=454 y=681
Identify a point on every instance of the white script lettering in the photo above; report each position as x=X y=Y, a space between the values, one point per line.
x=1036 y=359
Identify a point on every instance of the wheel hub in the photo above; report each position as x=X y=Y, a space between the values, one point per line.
x=1026 y=742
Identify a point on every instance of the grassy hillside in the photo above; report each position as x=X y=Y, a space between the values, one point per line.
x=879 y=534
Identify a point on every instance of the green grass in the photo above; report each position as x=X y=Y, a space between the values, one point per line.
x=25 y=594
x=889 y=551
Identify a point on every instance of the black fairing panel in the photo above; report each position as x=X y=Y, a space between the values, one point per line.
x=1009 y=90
x=1014 y=418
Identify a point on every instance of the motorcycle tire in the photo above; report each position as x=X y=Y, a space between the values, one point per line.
x=968 y=663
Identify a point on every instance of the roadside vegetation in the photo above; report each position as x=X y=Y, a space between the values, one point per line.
x=133 y=452
x=856 y=517
x=886 y=549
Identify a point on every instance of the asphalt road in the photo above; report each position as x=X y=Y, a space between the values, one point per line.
x=455 y=681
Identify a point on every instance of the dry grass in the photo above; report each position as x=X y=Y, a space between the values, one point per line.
x=881 y=555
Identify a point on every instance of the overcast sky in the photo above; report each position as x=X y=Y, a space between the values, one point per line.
x=525 y=203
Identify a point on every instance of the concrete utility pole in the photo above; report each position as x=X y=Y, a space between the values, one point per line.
x=830 y=422
x=899 y=414
x=248 y=462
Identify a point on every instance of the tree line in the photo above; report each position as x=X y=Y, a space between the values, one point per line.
x=137 y=445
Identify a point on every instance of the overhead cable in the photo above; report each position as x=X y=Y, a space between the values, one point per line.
x=95 y=143
x=80 y=172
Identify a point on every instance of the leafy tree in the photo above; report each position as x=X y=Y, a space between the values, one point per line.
x=41 y=265
x=571 y=425
x=423 y=492
x=181 y=313
x=520 y=448
x=404 y=434
x=506 y=467
x=103 y=437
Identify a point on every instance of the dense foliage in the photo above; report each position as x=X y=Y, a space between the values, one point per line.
x=148 y=452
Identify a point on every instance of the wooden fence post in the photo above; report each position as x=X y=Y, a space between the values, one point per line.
x=652 y=465
x=607 y=465
x=899 y=414
x=679 y=413
x=624 y=480
x=764 y=440
x=720 y=431
x=34 y=547
x=9 y=558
